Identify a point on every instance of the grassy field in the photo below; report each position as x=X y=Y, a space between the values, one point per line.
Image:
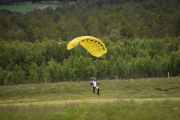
x=22 y=8
x=167 y=110
x=26 y=7
x=137 y=99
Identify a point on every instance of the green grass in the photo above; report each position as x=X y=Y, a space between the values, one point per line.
x=27 y=7
x=22 y=8
x=23 y=102
x=134 y=88
x=105 y=111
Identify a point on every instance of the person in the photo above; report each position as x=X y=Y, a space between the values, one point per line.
x=94 y=86
x=98 y=90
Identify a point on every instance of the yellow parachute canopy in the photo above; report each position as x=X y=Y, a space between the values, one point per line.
x=92 y=44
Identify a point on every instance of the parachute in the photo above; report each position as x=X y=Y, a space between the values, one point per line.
x=92 y=44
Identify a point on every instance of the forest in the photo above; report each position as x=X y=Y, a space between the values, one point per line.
x=142 y=38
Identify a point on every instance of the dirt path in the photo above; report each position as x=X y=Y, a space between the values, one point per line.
x=90 y=100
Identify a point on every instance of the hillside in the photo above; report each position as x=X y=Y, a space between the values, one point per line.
x=142 y=38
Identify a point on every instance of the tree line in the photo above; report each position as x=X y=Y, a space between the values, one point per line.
x=49 y=61
x=126 y=20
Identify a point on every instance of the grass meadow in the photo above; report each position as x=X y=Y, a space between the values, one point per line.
x=24 y=102
x=166 y=110
x=26 y=7
x=22 y=8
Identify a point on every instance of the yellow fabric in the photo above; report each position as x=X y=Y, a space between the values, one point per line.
x=93 y=45
x=73 y=43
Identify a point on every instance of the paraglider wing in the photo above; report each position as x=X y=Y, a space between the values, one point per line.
x=92 y=44
x=73 y=43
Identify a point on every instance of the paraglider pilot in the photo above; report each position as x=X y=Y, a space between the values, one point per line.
x=95 y=88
